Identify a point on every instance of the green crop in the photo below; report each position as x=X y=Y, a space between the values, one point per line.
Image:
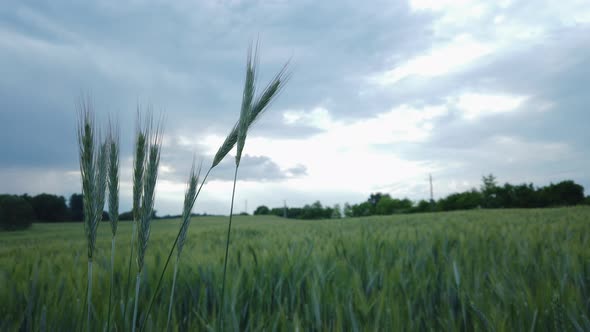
x=495 y=270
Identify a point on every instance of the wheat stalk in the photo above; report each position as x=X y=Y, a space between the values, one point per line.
x=147 y=203
x=140 y=150
x=190 y=197
x=113 y=177
x=86 y=142
x=113 y=186
x=93 y=171
x=248 y=115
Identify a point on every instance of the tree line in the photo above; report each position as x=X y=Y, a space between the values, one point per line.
x=20 y=211
x=489 y=196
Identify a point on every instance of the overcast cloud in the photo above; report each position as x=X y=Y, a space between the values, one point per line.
x=382 y=94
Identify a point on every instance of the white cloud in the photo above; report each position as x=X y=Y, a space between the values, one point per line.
x=319 y=118
x=476 y=105
x=451 y=57
x=439 y=5
x=453 y=12
x=346 y=158
x=514 y=150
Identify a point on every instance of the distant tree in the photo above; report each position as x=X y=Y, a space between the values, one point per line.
x=336 y=212
x=587 y=200
x=328 y=213
x=50 y=208
x=404 y=205
x=423 y=206
x=15 y=213
x=489 y=189
x=348 y=210
x=278 y=211
x=314 y=211
x=292 y=213
x=126 y=216
x=386 y=205
x=373 y=200
x=562 y=194
x=504 y=196
x=262 y=210
x=460 y=201
x=76 y=207
x=361 y=210
x=525 y=196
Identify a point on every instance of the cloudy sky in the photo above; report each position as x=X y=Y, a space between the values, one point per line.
x=382 y=94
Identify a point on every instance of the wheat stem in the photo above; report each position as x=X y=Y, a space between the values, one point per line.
x=112 y=281
x=132 y=245
x=231 y=212
x=89 y=293
x=159 y=284
x=137 y=282
x=172 y=294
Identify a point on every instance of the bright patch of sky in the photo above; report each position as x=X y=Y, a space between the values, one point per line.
x=451 y=57
x=475 y=105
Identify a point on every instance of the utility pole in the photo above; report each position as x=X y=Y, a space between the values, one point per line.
x=246 y=204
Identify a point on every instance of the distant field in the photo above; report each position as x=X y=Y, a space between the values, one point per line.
x=511 y=270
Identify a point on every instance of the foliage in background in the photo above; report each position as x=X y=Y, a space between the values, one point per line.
x=15 y=213
x=564 y=193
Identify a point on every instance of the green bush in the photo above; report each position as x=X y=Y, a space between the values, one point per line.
x=15 y=213
x=262 y=210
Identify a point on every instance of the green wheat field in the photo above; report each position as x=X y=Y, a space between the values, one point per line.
x=483 y=270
